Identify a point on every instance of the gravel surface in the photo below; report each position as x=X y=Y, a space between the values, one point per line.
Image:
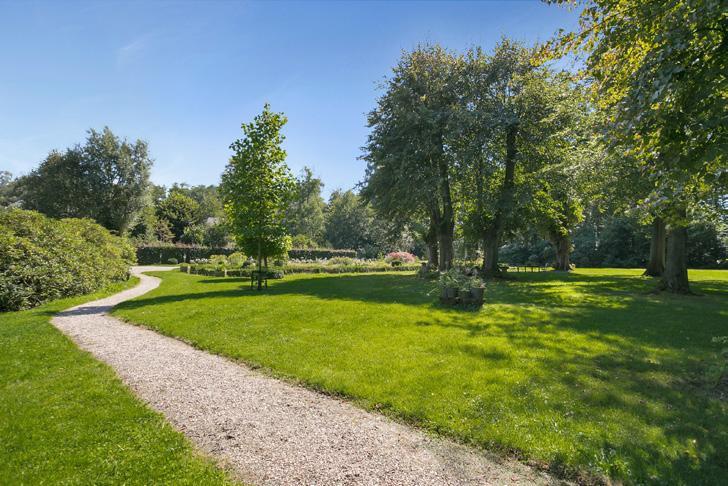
x=269 y=432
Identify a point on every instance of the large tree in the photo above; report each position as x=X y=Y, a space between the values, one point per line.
x=106 y=179
x=659 y=69
x=409 y=169
x=515 y=121
x=257 y=187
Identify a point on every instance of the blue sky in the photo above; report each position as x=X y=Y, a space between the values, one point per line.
x=184 y=75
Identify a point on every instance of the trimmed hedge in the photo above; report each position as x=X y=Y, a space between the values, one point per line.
x=43 y=259
x=150 y=255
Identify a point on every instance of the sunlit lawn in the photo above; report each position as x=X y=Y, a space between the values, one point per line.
x=587 y=373
x=65 y=418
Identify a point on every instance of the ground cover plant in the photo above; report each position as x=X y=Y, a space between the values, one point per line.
x=67 y=419
x=588 y=373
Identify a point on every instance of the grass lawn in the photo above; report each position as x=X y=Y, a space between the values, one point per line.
x=587 y=373
x=67 y=419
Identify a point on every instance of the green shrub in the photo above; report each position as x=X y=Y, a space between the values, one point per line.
x=236 y=259
x=43 y=259
x=341 y=261
x=173 y=261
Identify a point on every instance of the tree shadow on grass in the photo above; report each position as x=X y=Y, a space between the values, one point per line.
x=603 y=342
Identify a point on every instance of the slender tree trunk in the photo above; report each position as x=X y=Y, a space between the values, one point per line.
x=562 y=246
x=260 y=268
x=446 y=228
x=675 y=276
x=656 y=265
x=492 y=241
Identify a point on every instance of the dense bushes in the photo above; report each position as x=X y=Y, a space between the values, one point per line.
x=148 y=255
x=43 y=259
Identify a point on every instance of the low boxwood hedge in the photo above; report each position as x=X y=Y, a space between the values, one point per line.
x=43 y=259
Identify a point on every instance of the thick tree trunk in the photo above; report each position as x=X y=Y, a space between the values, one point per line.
x=491 y=245
x=675 y=276
x=492 y=240
x=433 y=259
x=656 y=265
x=562 y=245
x=446 y=250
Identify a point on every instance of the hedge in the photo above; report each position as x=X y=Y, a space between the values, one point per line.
x=149 y=255
x=245 y=272
x=43 y=259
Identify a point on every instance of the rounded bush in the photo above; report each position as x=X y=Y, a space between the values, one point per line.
x=43 y=258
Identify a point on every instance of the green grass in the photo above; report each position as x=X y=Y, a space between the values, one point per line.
x=65 y=418
x=588 y=373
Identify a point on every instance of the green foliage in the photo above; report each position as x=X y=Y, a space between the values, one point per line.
x=179 y=210
x=43 y=259
x=352 y=223
x=105 y=179
x=68 y=419
x=303 y=242
x=587 y=372
x=305 y=213
x=194 y=234
x=257 y=187
x=8 y=189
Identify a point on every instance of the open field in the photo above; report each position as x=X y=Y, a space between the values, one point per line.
x=587 y=373
x=67 y=419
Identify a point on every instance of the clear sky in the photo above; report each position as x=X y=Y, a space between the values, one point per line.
x=184 y=75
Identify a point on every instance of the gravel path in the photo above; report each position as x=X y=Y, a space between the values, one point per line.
x=266 y=431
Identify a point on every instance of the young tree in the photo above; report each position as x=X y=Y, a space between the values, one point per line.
x=106 y=179
x=659 y=69
x=257 y=187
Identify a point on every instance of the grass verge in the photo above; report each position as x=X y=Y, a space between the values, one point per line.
x=67 y=419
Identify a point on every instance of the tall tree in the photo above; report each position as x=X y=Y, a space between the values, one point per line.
x=305 y=215
x=257 y=187
x=106 y=179
x=409 y=169
x=515 y=120
x=659 y=68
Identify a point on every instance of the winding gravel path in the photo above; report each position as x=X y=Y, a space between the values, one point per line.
x=266 y=431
